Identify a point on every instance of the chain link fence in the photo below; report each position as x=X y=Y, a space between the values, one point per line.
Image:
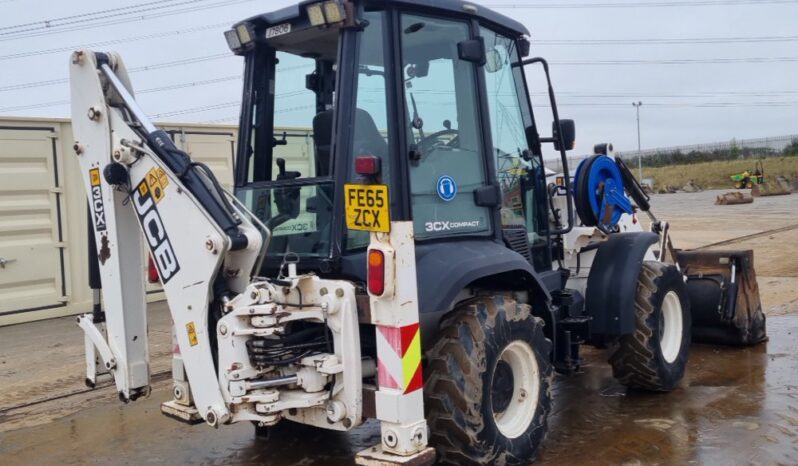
x=731 y=150
x=734 y=149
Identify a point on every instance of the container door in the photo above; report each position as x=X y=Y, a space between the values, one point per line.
x=32 y=272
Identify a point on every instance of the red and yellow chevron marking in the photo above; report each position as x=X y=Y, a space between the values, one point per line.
x=399 y=358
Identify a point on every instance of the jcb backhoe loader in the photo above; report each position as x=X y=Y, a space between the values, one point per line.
x=415 y=267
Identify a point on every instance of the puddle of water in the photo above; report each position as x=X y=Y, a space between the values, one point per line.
x=736 y=405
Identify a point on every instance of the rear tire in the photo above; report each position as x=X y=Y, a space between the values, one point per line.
x=654 y=356
x=488 y=388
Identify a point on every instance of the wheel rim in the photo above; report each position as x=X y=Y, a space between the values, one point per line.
x=519 y=411
x=671 y=327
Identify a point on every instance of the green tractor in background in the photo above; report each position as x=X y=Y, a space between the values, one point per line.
x=748 y=179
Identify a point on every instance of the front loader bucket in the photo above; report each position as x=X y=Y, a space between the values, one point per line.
x=724 y=297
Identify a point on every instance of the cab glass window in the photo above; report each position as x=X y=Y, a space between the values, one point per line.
x=442 y=116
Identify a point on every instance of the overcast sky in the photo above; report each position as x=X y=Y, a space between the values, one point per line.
x=686 y=100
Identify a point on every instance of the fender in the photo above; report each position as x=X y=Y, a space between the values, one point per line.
x=445 y=269
x=612 y=283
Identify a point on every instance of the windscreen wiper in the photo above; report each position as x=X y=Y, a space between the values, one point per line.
x=418 y=123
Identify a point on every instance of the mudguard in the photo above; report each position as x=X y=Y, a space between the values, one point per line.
x=445 y=269
x=612 y=283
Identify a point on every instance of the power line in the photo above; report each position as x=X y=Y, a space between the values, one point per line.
x=83 y=27
x=639 y=4
x=46 y=23
x=17 y=108
x=617 y=94
x=678 y=61
x=669 y=41
x=206 y=108
x=221 y=120
x=203 y=108
x=113 y=41
x=635 y=95
x=58 y=103
x=157 y=66
x=678 y=105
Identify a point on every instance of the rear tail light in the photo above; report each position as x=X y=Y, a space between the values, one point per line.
x=152 y=271
x=376 y=272
x=367 y=165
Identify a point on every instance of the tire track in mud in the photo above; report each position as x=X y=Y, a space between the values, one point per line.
x=156 y=377
x=740 y=239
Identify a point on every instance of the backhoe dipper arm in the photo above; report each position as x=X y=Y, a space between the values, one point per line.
x=139 y=182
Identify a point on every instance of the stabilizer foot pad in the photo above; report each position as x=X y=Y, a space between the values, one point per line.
x=182 y=413
x=374 y=456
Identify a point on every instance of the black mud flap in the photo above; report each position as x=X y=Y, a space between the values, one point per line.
x=724 y=297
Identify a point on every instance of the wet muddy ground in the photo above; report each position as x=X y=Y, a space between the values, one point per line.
x=735 y=406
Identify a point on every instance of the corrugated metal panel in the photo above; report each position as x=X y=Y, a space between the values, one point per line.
x=30 y=229
x=216 y=149
x=40 y=186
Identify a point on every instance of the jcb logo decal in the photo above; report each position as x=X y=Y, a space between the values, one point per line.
x=97 y=206
x=154 y=231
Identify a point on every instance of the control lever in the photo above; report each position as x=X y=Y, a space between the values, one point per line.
x=285 y=198
x=284 y=175
x=280 y=142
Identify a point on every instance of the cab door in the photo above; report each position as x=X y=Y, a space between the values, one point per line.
x=519 y=164
x=447 y=160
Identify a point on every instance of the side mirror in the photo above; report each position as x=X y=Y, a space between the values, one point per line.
x=418 y=70
x=524 y=46
x=566 y=129
x=493 y=61
x=472 y=50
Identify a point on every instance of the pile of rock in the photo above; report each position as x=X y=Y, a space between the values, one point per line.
x=734 y=197
x=692 y=187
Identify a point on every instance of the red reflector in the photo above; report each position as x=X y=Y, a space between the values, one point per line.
x=368 y=165
x=152 y=271
x=376 y=278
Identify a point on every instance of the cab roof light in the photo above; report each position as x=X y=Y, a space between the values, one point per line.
x=329 y=12
x=245 y=37
x=333 y=12
x=232 y=40
x=240 y=38
x=316 y=15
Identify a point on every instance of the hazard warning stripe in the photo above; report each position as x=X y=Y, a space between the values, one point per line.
x=399 y=358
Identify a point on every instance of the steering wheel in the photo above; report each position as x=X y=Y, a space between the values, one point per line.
x=435 y=139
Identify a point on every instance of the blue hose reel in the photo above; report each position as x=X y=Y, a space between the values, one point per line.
x=599 y=193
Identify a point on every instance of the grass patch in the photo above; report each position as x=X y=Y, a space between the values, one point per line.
x=715 y=175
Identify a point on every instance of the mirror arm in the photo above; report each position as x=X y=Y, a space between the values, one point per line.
x=563 y=155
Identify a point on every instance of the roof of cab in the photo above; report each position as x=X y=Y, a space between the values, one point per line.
x=458 y=7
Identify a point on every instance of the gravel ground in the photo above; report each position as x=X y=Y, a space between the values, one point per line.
x=735 y=406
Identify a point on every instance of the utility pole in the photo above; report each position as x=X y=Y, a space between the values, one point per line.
x=639 y=154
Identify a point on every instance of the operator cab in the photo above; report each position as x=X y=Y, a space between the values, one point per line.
x=432 y=100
